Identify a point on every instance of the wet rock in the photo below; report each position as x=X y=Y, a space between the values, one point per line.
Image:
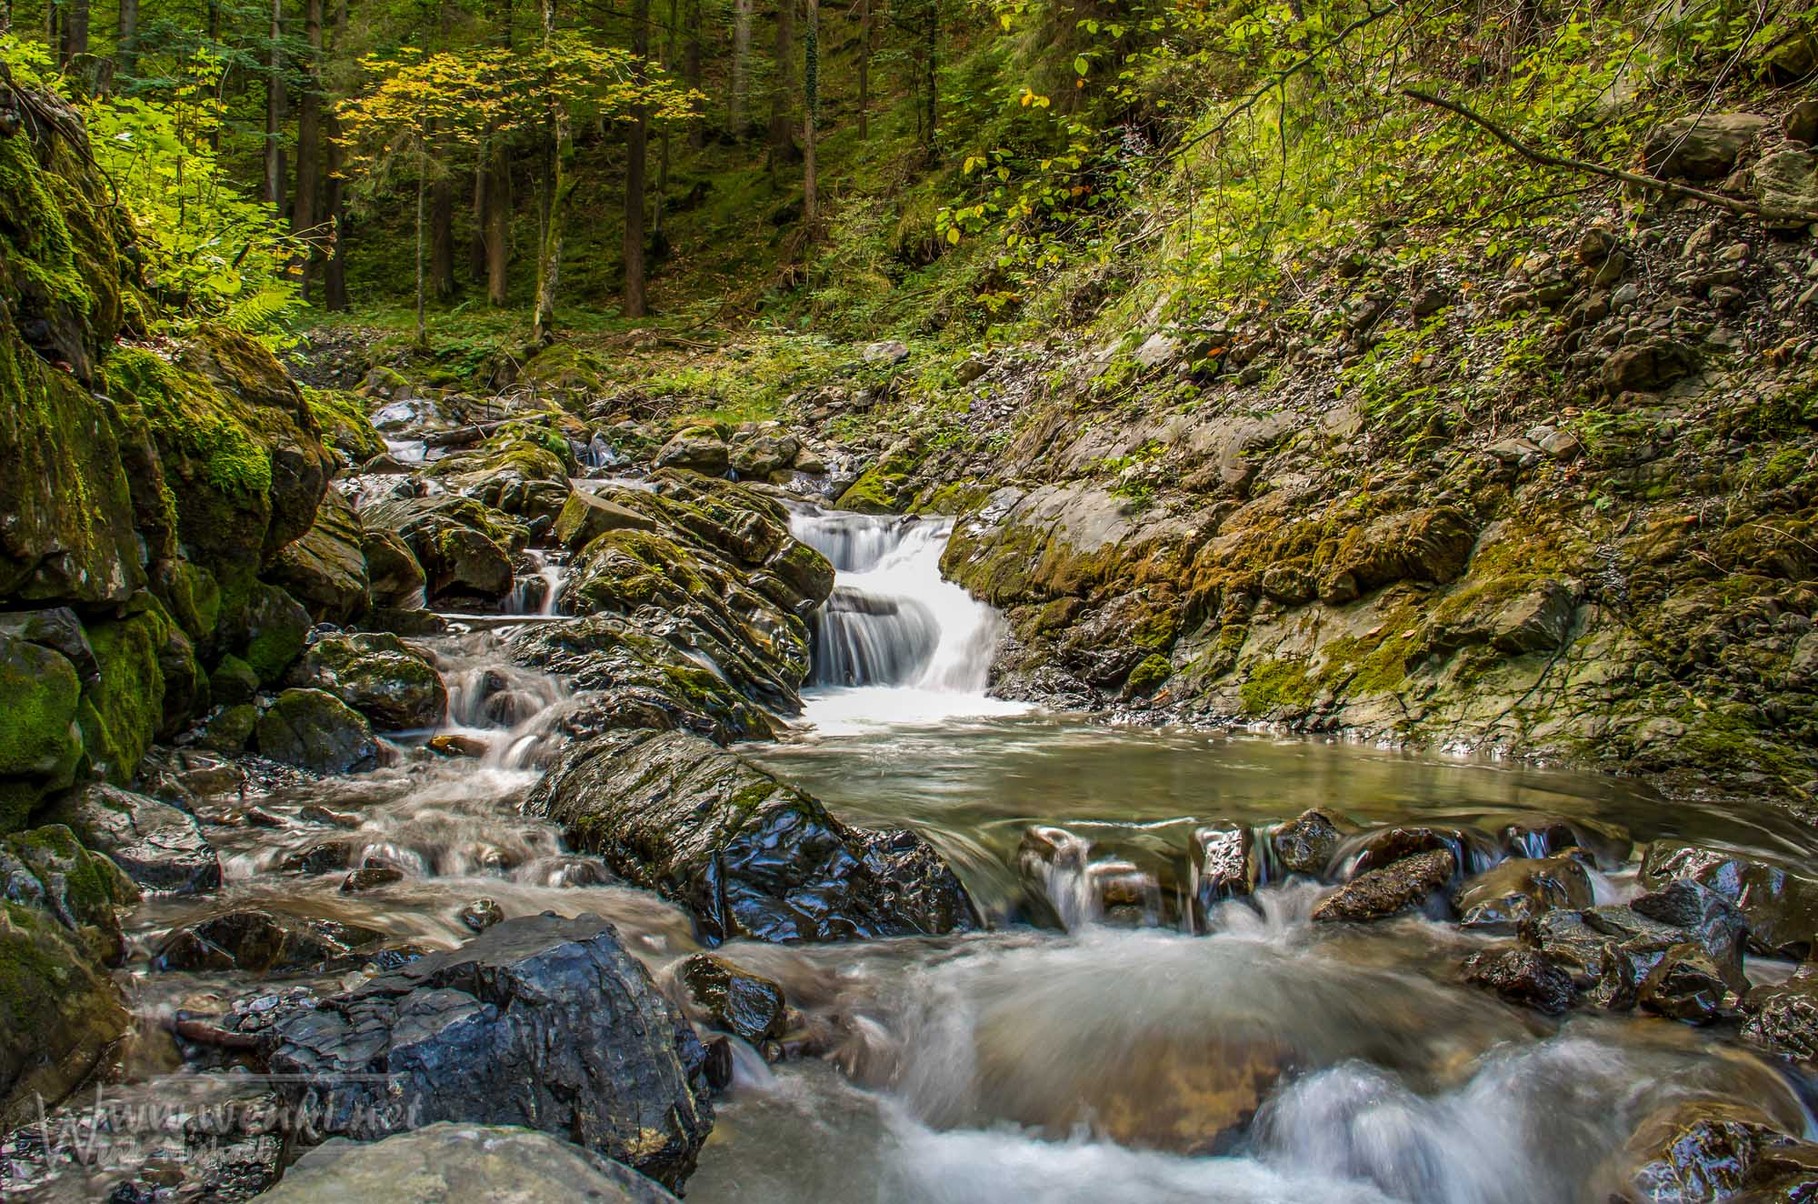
x=1523 y=977
x=1779 y=907
x=1607 y=951
x=1784 y=1017
x=453 y=744
x=587 y=515
x=1401 y=886
x=276 y=629
x=1686 y=984
x=397 y=580
x=747 y=854
x=316 y=731
x=1700 y=1150
x=377 y=675
x=325 y=858
x=229 y=729
x=370 y=877
x=735 y=1001
x=1543 y=836
x=480 y=914
x=758 y=456
x=258 y=940
x=40 y=745
x=1647 y=366
x=464 y=547
x=1385 y=846
x=1225 y=865
x=325 y=569
x=540 y=1021
x=1714 y=923
x=1305 y=844
x=698 y=449
x=1509 y=896
x=157 y=845
x=446 y=1163
x=1702 y=147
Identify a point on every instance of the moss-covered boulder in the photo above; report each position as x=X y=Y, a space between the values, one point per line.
x=587 y=515
x=394 y=578
x=464 y=547
x=274 y=630
x=378 y=675
x=518 y=472
x=123 y=710
x=60 y=1014
x=325 y=569
x=316 y=731
x=40 y=744
x=341 y=417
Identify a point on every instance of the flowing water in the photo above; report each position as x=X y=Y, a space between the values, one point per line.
x=1099 y=1040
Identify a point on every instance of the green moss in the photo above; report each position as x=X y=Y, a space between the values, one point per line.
x=1149 y=674
x=33 y=227
x=345 y=426
x=42 y=694
x=1275 y=686
x=187 y=412
x=120 y=713
x=277 y=626
x=60 y=1014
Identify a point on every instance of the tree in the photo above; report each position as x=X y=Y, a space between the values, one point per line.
x=811 y=103
x=737 y=102
x=636 y=146
x=782 y=87
x=309 y=138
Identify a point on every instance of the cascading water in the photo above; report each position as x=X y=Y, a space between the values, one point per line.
x=895 y=642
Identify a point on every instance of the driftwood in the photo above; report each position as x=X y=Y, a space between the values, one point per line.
x=463 y=436
x=1737 y=205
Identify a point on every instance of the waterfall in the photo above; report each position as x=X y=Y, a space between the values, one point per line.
x=895 y=641
x=540 y=593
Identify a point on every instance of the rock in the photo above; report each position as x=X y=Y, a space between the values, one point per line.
x=1786 y=185
x=1523 y=977
x=747 y=854
x=1647 y=366
x=758 y=456
x=1385 y=846
x=1305 y=844
x=1800 y=123
x=453 y=744
x=885 y=354
x=397 y=580
x=540 y=1021
x=276 y=629
x=259 y=940
x=233 y=682
x=480 y=914
x=1699 y=1149
x=318 y=732
x=1395 y=888
x=1779 y=907
x=230 y=729
x=1158 y=351
x=697 y=449
x=464 y=547
x=734 y=1001
x=1702 y=147
x=1686 y=984
x=1511 y=895
x=1595 y=245
x=1225 y=865
x=370 y=877
x=1714 y=923
x=1539 y=620
x=40 y=744
x=586 y=516
x=329 y=857
x=515 y=473
x=1784 y=1017
x=449 y=1163
x=325 y=569
x=157 y=845
x=392 y=685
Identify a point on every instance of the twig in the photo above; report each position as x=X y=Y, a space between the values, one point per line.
x=1732 y=204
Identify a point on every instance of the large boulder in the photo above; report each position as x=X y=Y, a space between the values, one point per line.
x=1779 y=907
x=40 y=745
x=158 y=846
x=464 y=546
x=514 y=473
x=1703 y=147
x=1705 y=1149
x=395 y=579
x=1784 y=1017
x=697 y=449
x=378 y=675
x=448 y=1163
x=749 y=855
x=325 y=569
x=587 y=515
x=540 y=1021
x=316 y=731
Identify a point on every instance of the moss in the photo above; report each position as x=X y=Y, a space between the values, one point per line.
x=42 y=693
x=60 y=1013
x=37 y=236
x=1149 y=675
x=277 y=627
x=345 y=426
x=878 y=491
x=121 y=712
x=187 y=413
x=1276 y=686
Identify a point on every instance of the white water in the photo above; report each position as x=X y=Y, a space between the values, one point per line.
x=896 y=644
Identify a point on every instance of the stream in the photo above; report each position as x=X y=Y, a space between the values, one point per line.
x=1102 y=1038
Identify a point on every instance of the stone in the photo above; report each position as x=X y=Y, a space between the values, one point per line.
x=1779 y=907
x=1699 y=1149
x=1385 y=846
x=1225 y=865
x=316 y=731
x=1702 y=147
x=40 y=743
x=370 y=877
x=1686 y=984
x=158 y=846
x=1509 y=896
x=464 y=547
x=1786 y=185
x=1783 y=1018
x=276 y=629
x=1401 y=886
x=540 y=1021
x=1538 y=620
x=1523 y=977
x=233 y=682
x=1158 y=351
x=261 y=940
x=450 y=1163
x=749 y=855
x=587 y=515
x=325 y=568
x=697 y=449
x=885 y=354
x=758 y=456
x=480 y=914
x=378 y=675
x=749 y=1007
x=1713 y=922
x=396 y=579
x=1800 y=123
x=1647 y=366
x=1305 y=844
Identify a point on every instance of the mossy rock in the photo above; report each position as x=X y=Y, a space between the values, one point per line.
x=1148 y=676
x=394 y=578
x=193 y=597
x=276 y=628
x=39 y=740
x=341 y=417
x=377 y=675
x=230 y=729
x=122 y=712
x=233 y=681
x=314 y=730
x=878 y=491
x=325 y=570
x=61 y=1016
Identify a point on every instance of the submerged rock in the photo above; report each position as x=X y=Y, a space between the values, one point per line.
x=1520 y=890
x=734 y=1000
x=316 y=731
x=157 y=845
x=378 y=675
x=1400 y=886
x=1523 y=977
x=449 y=1163
x=260 y=940
x=540 y=1021
x=749 y=855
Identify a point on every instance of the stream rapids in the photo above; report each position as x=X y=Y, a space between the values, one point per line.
x=1102 y=1038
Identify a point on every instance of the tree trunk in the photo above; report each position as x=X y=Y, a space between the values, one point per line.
x=74 y=35
x=866 y=37
x=636 y=144
x=662 y=185
x=691 y=68
x=811 y=103
x=931 y=43
x=498 y=223
x=782 y=88
x=126 y=44
x=274 y=111
x=422 y=193
x=738 y=106
x=309 y=141
x=441 y=240
x=476 y=246
x=549 y=249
